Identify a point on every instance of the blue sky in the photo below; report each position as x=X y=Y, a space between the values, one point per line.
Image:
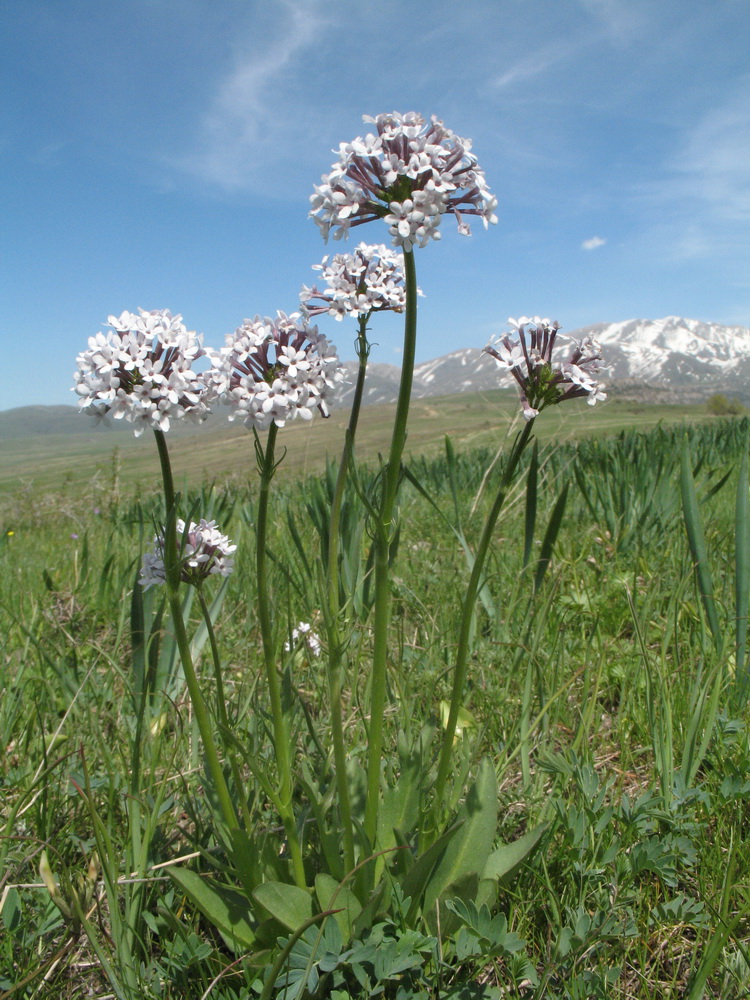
x=161 y=153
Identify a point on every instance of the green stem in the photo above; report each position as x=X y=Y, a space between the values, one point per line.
x=172 y=572
x=335 y=639
x=266 y=468
x=384 y=531
x=221 y=708
x=467 y=613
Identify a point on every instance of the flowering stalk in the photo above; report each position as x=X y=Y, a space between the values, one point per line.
x=467 y=614
x=172 y=573
x=542 y=381
x=335 y=640
x=383 y=534
x=266 y=468
x=221 y=705
x=409 y=173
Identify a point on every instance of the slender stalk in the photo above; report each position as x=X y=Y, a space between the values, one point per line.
x=172 y=572
x=221 y=708
x=467 y=614
x=266 y=468
x=335 y=640
x=384 y=530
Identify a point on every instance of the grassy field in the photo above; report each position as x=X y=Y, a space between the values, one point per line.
x=602 y=710
x=218 y=450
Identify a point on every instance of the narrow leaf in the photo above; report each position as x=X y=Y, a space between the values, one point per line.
x=742 y=577
x=550 y=537
x=697 y=542
x=505 y=861
x=531 y=495
x=470 y=848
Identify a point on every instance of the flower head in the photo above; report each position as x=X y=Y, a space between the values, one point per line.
x=203 y=552
x=371 y=279
x=541 y=380
x=409 y=173
x=303 y=635
x=141 y=370
x=273 y=370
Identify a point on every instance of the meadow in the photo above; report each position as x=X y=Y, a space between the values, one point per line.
x=601 y=758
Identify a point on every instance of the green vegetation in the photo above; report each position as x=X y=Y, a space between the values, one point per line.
x=217 y=450
x=604 y=712
x=720 y=405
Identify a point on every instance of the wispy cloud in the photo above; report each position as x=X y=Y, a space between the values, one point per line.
x=714 y=166
x=250 y=118
x=622 y=20
x=703 y=196
x=593 y=244
x=540 y=62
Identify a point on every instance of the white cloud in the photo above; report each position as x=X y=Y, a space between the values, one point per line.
x=593 y=243
x=251 y=117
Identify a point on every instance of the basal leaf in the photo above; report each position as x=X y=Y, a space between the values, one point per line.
x=288 y=904
x=226 y=908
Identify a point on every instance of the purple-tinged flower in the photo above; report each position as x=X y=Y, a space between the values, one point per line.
x=371 y=279
x=273 y=370
x=203 y=552
x=410 y=173
x=541 y=380
x=142 y=370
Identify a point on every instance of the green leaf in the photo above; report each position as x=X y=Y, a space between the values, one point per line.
x=697 y=542
x=334 y=896
x=505 y=861
x=465 y=719
x=288 y=904
x=470 y=848
x=531 y=497
x=742 y=578
x=550 y=537
x=227 y=909
x=417 y=878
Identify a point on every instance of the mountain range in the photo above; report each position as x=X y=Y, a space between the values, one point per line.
x=653 y=358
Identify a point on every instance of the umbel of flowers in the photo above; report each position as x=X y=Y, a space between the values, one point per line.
x=203 y=552
x=370 y=279
x=409 y=173
x=141 y=370
x=542 y=379
x=273 y=370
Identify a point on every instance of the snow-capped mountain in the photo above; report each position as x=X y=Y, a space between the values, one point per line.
x=672 y=353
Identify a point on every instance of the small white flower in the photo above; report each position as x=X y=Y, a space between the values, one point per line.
x=203 y=552
x=141 y=371
x=543 y=380
x=273 y=370
x=303 y=635
x=409 y=173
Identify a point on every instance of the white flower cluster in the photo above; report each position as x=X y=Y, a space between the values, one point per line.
x=303 y=635
x=273 y=370
x=368 y=280
x=203 y=552
x=141 y=370
x=542 y=381
x=409 y=173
